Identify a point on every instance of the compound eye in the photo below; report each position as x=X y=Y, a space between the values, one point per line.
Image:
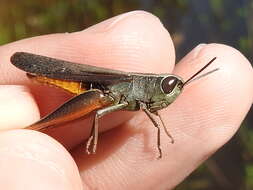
x=168 y=84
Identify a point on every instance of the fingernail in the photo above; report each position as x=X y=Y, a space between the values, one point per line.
x=109 y=24
x=31 y=160
x=197 y=49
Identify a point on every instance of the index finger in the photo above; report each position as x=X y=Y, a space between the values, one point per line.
x=135 y=41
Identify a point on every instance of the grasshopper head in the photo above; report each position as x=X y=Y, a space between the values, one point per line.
x=171 y=86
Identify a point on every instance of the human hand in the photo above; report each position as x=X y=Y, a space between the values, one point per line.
x=201 y=120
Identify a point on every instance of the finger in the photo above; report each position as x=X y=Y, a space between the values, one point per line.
x=17 y=107
x=219 y=95
x=201 y=120
x=135 y=41
x=32 y=160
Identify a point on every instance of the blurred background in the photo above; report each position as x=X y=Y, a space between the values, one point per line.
x=190 y=22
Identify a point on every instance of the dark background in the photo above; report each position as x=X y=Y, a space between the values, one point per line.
x=190 y=22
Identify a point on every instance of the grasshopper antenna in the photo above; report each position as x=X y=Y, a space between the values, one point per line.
x=193 y=77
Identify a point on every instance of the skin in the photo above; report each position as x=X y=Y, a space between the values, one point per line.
x=201 y=120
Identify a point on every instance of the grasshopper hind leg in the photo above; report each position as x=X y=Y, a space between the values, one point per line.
x=91 y=145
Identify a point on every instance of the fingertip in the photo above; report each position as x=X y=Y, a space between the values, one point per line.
x=134 y=41
x=32 y=160
x=220 y=100
x=235 y=71
x=17 y=107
